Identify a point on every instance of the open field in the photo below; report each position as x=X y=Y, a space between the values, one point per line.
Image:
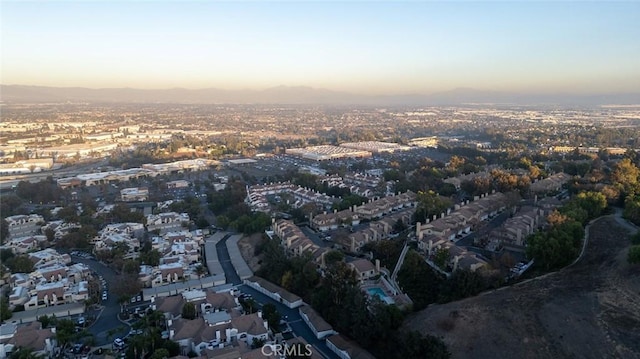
x=588 y=310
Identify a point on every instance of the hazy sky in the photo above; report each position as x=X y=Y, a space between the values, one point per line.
x=366 y=47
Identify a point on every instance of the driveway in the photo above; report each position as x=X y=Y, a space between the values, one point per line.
x=225 y=261
x=298 y=326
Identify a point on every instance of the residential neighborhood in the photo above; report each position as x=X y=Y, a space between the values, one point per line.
x=173 y=245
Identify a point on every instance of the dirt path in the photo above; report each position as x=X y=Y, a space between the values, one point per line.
x=590 y=310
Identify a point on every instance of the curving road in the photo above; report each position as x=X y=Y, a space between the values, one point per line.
x=107 y=319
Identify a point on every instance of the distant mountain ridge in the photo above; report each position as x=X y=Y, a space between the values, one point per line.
x=298 y=95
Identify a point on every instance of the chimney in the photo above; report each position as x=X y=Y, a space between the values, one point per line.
x=456 y=207
x=377 y=266
x=442 y=215
x=448 y=211
x=171 y=334
x=435 y=216
x=259 y=314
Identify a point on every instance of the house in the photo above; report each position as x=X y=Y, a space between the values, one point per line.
x=328 y=221
x=199 y=335
x=250 y=327
x=316 y=323
x=48 y=256
x=166 y=222
x=171 y=273
x=19 y=296
x=22 y=245
x=195 y=335
x=293 y=239
x=364 y=268
x=552 y=183
x=219 y=301
x=42 y=341
x=24 y=225
x=171 y=306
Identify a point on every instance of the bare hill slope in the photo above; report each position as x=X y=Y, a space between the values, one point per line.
x=589 y=310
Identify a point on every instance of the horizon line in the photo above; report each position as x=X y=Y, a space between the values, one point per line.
x=257 y=89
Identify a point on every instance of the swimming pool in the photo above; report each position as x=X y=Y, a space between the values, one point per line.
x=376 y=291
x=381 y=294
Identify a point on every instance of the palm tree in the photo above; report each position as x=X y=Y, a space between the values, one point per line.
x=200 y=270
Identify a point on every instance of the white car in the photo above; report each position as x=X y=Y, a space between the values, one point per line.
x=118 y=343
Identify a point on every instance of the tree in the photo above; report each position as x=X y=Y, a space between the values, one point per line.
x=45 y=321
x=189 y=311
x=200 y=270
x=160 y=353
x=151 y=257
x=65 y=331
x=24 y=353
x=441 y=257
x=332 y=257
x=4 y=231
x=414 y=345
x=20 y=264
x=430 y=204
x=632 y=209
x=634 y=255
x=271 y=314
x=419 y=281
x=257 y=343
x=626 y=174
x=461 y=284
x=5 y=313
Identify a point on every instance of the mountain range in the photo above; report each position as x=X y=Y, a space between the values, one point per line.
x=299 y=96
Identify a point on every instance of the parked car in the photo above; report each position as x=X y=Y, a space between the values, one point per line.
x=118 y=343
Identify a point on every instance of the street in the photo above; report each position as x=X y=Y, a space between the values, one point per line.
x=107 y=320
x=298 y=326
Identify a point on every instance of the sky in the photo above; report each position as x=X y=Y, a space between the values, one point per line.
x=365 y=47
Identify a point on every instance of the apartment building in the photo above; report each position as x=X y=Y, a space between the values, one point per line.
x=166 y=222
x=134 y=194
x=24 y=225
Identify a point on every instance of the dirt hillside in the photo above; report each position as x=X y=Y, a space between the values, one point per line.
x=588 y=310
